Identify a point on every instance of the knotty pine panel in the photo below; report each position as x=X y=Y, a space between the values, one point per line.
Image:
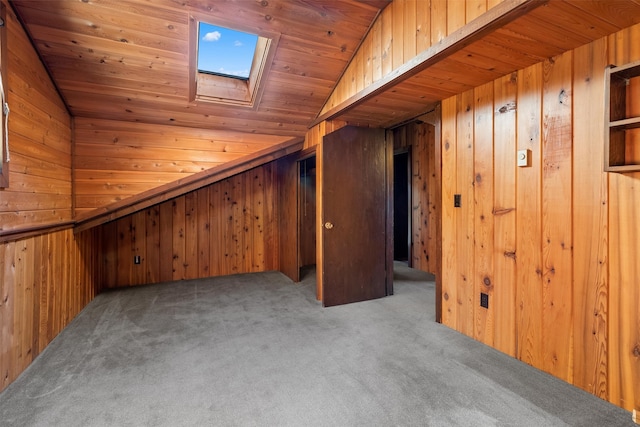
x=566 y=252
x=45 y=281
x=115 y=160
x=590 y=223
x=401 y=31
x=229 y=227
x=39 y=190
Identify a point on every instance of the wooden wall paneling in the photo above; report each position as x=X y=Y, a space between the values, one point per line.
x=39 y=135
x=287 y=185
x=423 y=25
x=504 y=214
x=152 y=251
x=449 y=214
x=388 y=41
x=414 y=136
x=376 y=50
x=590 y=222
x=557 y=242
x=270 y=223
x=456 y=15
x=166 y=241
x=483 y=167
x=203 y=233
x=397 y=30
x=124 y=264
x=465 y=217
x=410 y=28
x=7 y=262
x=139 y=239
x=529 y=213
x=41 y=292
x=109 y=233
x=191 y=255
x=367 y=62
x=438 y=20
x=241 y=222
x=474 y=9
x=433 y=201
x=178 y=244
x=217 y=215
x=624 y=258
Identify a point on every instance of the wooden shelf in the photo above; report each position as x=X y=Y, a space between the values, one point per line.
x=619 y=122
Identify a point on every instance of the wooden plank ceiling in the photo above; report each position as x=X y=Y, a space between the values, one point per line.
x=509 y=37
x=128 y=60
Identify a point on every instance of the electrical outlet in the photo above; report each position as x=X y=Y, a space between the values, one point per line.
x=484 y=300
x=136 y=259
x=457 y=200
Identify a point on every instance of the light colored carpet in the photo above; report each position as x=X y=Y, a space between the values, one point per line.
x=259 y=350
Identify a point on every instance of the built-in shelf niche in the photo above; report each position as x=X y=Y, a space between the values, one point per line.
x=622 y=133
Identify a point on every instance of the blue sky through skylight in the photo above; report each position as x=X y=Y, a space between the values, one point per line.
x=225 y=51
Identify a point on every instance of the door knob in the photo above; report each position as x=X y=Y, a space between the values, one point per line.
x=328 y=225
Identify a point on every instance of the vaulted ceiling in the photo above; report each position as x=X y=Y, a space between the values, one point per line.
x=129 y=59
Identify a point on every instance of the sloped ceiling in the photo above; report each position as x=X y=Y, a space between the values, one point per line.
x=129 y=59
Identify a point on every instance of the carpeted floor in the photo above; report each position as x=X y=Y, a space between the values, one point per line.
x=259 y=350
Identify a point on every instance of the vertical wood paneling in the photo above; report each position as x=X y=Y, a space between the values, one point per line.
x=483 y=277
x=45 y=281
x=228 y=227
x=438 y=20
x=529 y=218
x=397 y=31
x=410 y=29
x=475 y=8
x=423 y=25
x=504 y=213
x=565 y=240
x=624 y=258
x=178 y=246
x=449 y=214
x=191 y=256
x=203 y=233
x=465 y=213
x=456 y=12
x=590 y=222
x=152 y=252
x=557 y=239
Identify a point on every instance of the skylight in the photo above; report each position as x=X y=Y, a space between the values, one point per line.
x=225 y=52
x=227 y=65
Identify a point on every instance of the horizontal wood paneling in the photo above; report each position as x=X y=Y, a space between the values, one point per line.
x=115 y=160
x=45 y=281
x=404 y=29
x=555 y=245
x=39 y=190
x=225 y=228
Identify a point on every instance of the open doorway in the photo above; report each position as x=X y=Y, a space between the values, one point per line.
x=307 y=213
x=402 y=207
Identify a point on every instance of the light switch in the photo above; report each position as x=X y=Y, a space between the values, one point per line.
x=523 y=158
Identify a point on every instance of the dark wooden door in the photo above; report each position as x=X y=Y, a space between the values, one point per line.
x=355 y=216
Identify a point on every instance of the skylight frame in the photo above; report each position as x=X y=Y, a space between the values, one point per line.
x=237 y=35
x=207 y=87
